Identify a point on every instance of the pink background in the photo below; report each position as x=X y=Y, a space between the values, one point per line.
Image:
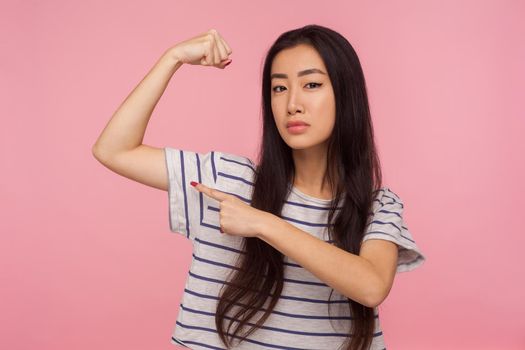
x=87 y=258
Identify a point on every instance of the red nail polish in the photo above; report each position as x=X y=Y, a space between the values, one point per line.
x=227 y=63
x=221 y=230
x=193 y=183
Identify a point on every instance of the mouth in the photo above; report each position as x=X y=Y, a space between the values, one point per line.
x=296 y=123
x=296 y=129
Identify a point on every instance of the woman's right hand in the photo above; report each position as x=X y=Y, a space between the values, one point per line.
x=206 y=49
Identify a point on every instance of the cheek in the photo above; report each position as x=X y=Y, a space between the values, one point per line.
x=329 y=105
x=276 y=106
x=327 y=110
x=323 y=99
x=325 y=106
x=276 y=112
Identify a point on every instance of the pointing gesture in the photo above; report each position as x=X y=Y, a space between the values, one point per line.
x=236 y=217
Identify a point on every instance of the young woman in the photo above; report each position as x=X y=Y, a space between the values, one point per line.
x=297 y=250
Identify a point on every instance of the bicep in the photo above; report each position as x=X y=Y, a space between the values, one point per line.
x=144 y=164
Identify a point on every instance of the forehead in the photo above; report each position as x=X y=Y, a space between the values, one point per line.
x=297 y=58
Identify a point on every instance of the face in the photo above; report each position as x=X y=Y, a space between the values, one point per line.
x=308 y=98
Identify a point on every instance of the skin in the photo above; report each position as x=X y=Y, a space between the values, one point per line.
x=308 y=98
x=369 y=276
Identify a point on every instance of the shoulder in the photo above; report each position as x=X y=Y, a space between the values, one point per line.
x=234 y=164
x=235 y=173
x=386 y=197
x=232 y=158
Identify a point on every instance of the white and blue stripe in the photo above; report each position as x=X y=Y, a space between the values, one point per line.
x=300 y=319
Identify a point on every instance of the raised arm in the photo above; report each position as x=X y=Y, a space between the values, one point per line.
x=119 y=147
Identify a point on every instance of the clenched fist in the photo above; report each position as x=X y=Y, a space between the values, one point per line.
x=206 y=49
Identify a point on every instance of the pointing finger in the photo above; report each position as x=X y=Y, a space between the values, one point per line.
x=210 y=192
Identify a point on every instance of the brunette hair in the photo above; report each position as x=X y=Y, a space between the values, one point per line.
x=354 y=173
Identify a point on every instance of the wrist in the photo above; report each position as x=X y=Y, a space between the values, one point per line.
x=171 y=57
x=267 y=225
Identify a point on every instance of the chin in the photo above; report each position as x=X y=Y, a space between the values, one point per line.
x=300 y=145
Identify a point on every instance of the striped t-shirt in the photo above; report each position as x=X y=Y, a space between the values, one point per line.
x=300 y=319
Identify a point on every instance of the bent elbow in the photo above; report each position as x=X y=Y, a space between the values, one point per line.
x=376 y=298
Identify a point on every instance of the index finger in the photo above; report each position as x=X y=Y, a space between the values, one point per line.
x=210 y=192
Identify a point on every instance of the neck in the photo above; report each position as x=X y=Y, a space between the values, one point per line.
x=310 y=171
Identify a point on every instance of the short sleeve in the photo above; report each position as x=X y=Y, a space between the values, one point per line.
x=185 y=202
x=387 y=223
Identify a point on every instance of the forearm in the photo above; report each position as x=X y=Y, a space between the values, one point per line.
x=349 y=274
x=126 y=128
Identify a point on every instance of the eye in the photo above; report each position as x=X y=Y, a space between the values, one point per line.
x=315 y=84
x=279 y=86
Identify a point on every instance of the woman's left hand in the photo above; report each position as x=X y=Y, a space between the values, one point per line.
x=236 y=217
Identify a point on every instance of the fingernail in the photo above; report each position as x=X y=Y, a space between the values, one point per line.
x=221 y=230
x=193 y=183
x=228 y=63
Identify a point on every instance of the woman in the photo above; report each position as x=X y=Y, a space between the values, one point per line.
x=311 y=239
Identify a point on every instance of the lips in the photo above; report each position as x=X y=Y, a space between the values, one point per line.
x=295 y=123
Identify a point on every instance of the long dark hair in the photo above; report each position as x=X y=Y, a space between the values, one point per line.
x=354 y=175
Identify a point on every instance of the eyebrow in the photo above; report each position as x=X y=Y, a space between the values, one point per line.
x=299 y=74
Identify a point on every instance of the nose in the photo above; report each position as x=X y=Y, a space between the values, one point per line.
x=293 y=105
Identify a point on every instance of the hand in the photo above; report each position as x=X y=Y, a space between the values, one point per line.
x=206 y=49
x=236 y=217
